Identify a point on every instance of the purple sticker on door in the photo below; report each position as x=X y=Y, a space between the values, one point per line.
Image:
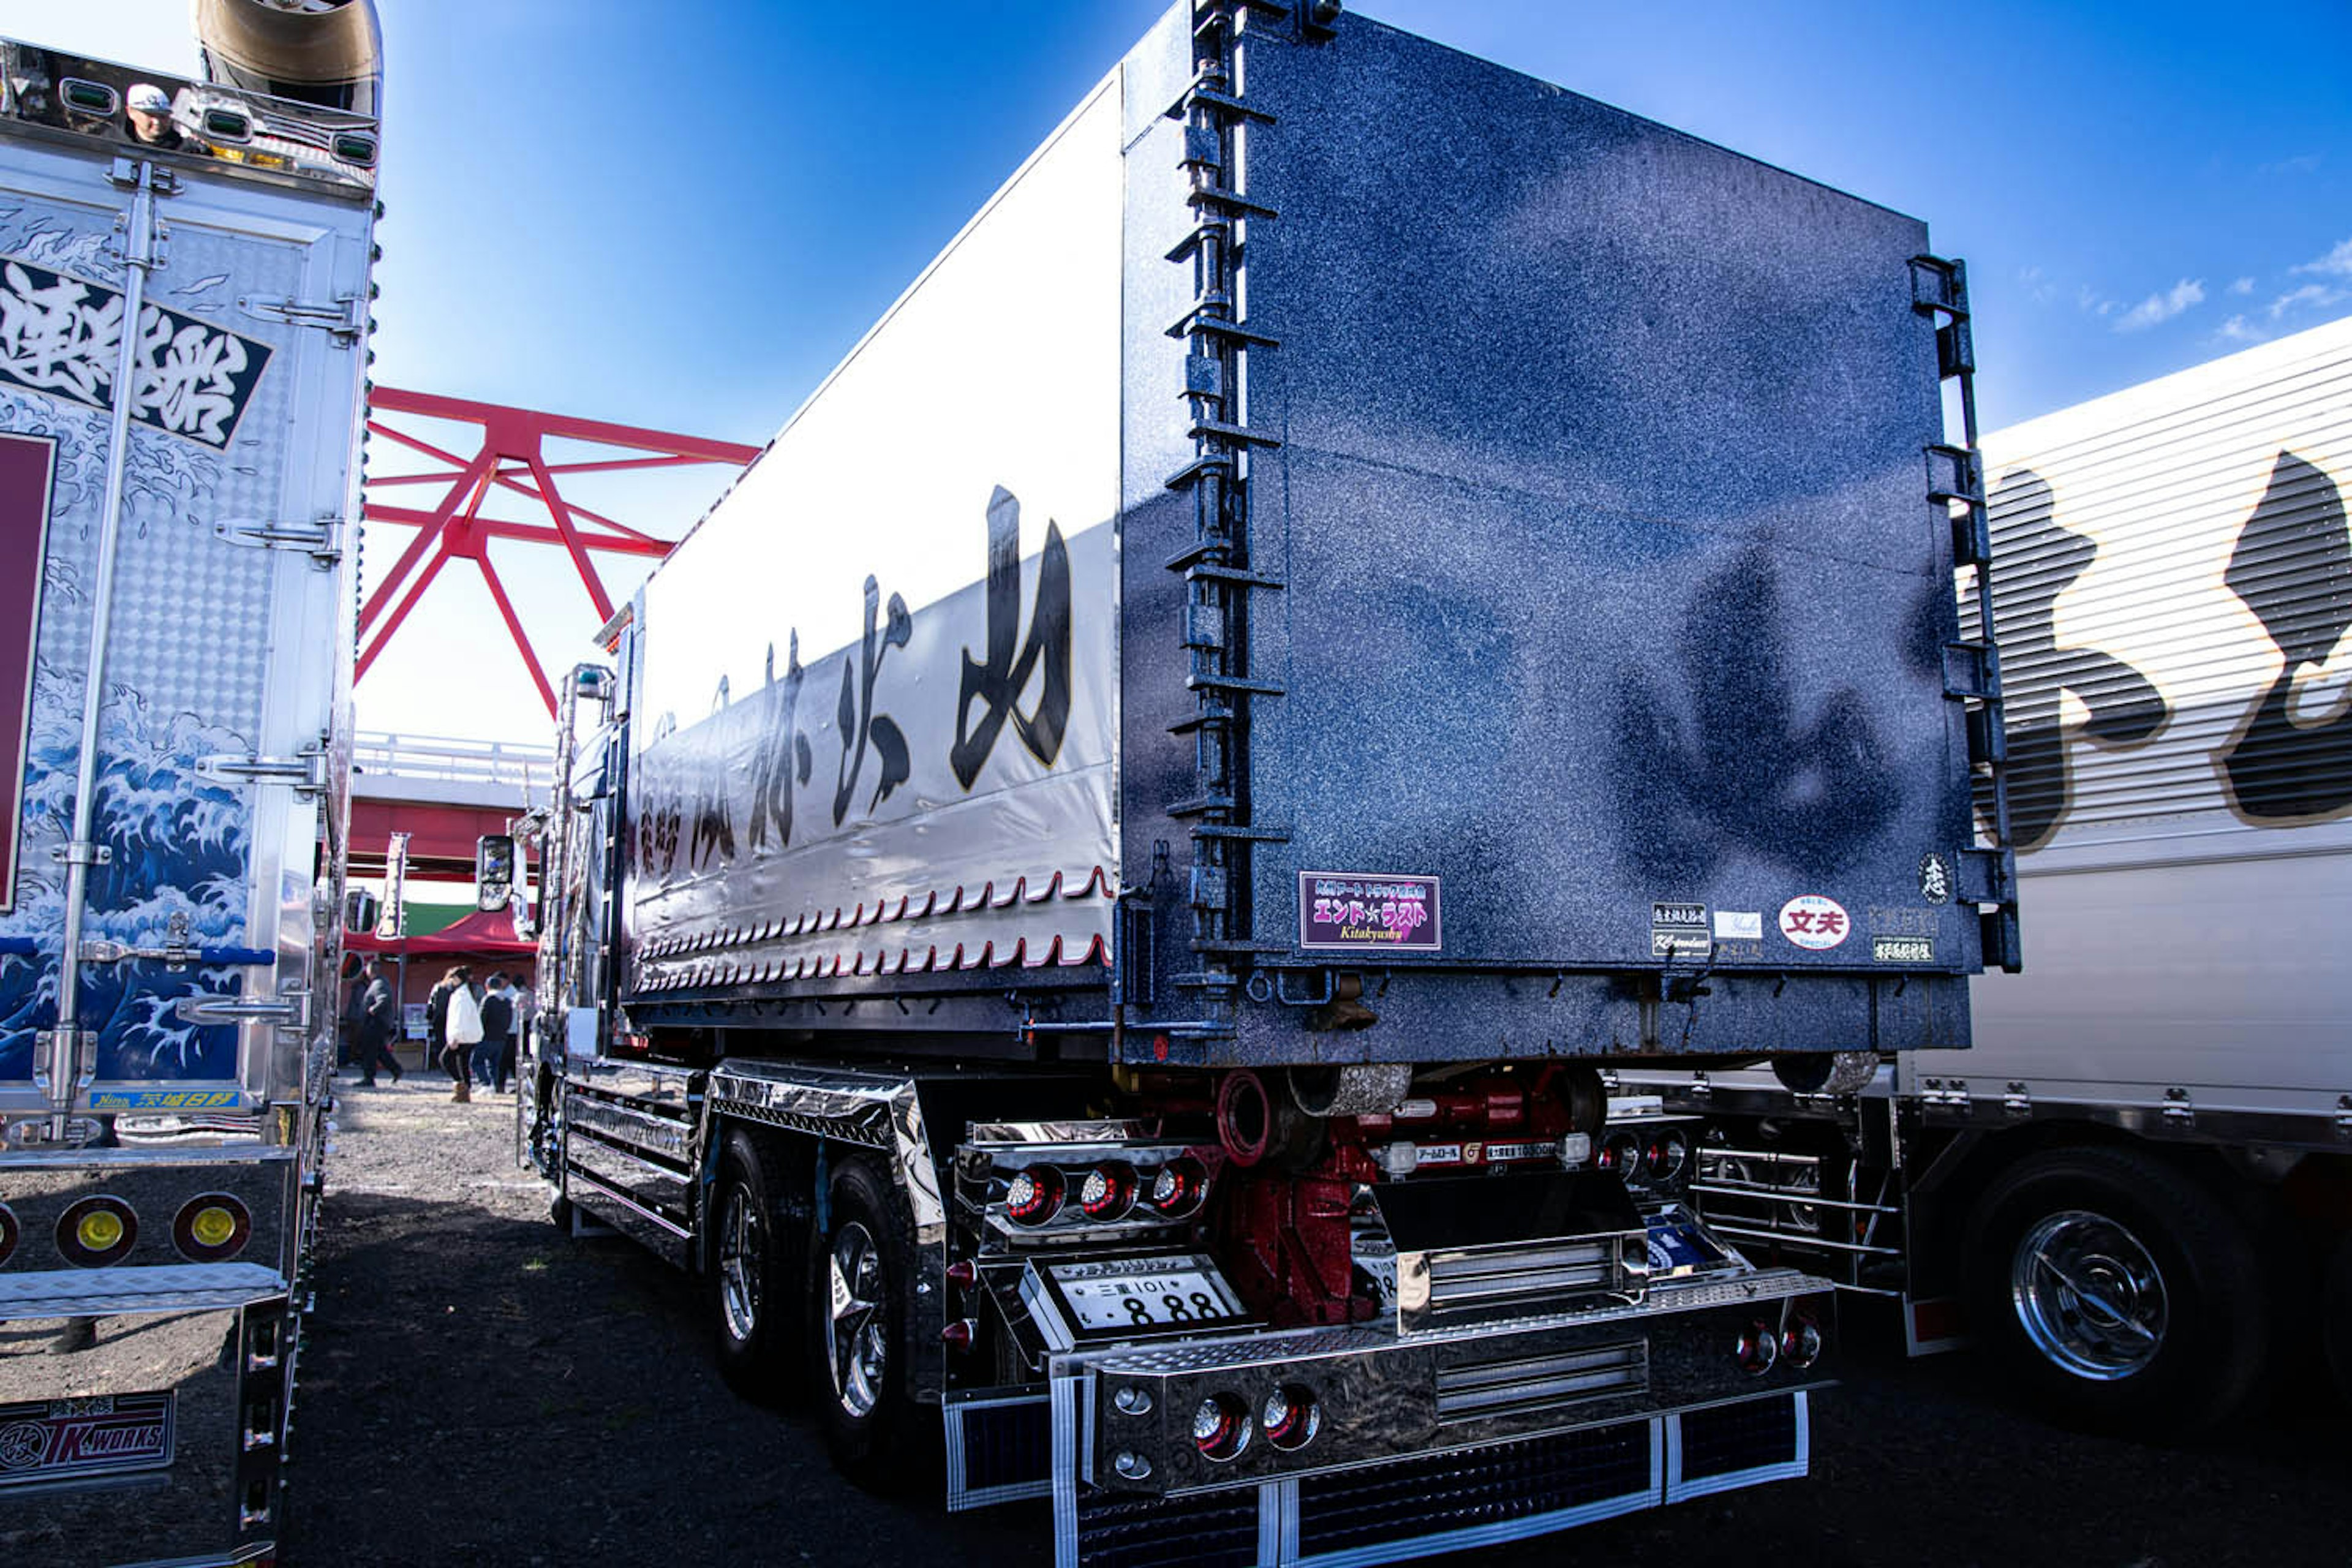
x=1356 y=909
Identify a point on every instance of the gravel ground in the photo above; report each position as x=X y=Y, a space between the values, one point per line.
x=479 y=1388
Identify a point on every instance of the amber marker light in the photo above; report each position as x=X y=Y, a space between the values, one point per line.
x=96 y=1232
x=212 y=1227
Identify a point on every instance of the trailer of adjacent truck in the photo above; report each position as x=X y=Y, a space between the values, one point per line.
x=1359 y=587
x=2138 y=1183
x=183 y=303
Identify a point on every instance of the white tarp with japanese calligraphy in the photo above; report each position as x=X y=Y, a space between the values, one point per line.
x=875 y=708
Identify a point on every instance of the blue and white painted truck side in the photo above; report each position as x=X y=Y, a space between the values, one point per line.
x=183 y=312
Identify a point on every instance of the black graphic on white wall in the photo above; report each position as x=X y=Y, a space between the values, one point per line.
x=2037 y=561
x=2292 y=567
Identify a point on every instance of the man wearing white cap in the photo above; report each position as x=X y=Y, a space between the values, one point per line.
x=151 y=116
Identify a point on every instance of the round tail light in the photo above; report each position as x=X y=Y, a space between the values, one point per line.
x=1107 y=1193
x=1668 y=1152
x=1221 y=1427
x=1622 y=1153
x=1035 y=1196
x=96 y=1232
x=1291 y=1417
x=1759 y=1347
x=212 y=1228
x=1801 y=1343
x=9 y=1233
x=1177 y=1188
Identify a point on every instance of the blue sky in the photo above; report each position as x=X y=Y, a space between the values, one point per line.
x=682 y=215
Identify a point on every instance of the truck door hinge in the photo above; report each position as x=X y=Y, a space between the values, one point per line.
x=2016 y=1102
x=321 y=540
x=2344 y=1117
x=305 y=772
x=340 y=318
x=2180 y=1114
x=52 y=1059
x=83 y=852
x=289 y=1009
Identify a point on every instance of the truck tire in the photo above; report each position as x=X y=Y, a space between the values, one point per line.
x=2120 y=1294
x=755 y=1278
x=2336 y=1317
x=861 y=1274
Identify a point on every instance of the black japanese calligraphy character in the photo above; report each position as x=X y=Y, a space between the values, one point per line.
x=1751 y=771
x=2036 y=562
x=782 y=756
x=2292 y=567
x=998 y=683
x=714 y=817
x=860 y=725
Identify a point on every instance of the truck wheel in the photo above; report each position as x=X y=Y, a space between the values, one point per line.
x=2119 y=1293
x=2335 y=1316
x=860 y=1275
x=753 y=1281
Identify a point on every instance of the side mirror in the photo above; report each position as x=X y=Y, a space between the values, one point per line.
x=494 y=872
x=361 y=910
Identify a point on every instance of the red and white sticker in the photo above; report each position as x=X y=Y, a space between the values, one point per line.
x=1811 y=920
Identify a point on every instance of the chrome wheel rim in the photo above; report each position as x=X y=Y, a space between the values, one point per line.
x=2088 y=1295
x=742 y=1254
x=856 y=1345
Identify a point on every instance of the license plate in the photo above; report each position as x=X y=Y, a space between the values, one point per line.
x=53 y=1439
x=1145 y=1293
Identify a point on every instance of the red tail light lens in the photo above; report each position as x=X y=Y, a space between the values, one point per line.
x=1759 y=1348
x=1035 y=1196
x=1291 y=1416
x=1107 y=1193
x=1221 y=1427
x=1178 y=1187
x=1801 y=1343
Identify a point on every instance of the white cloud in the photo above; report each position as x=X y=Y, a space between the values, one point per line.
x=2303 y=163
x=2096 y=304
x=2242 y=286
x=2158 y=308
x=2037 y=284
x=2337 y=263
x=2317 y=296
x=2237 y=329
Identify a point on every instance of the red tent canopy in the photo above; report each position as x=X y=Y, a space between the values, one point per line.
x=475 y=932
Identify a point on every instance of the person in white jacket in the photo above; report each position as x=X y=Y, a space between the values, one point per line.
x=462 y=1029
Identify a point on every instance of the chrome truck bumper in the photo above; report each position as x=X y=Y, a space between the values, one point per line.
x=143 y=1396
x=1417 y=1442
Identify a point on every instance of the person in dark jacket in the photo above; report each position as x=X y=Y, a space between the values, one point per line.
x=494 y=1058
x=377 y=1021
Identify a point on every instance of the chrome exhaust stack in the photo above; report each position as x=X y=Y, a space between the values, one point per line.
x=327 y=52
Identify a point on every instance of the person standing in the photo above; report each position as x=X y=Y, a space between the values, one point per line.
x=494 y=1057
x=463 y=1029
x=438 y=1007
x=377 y=1018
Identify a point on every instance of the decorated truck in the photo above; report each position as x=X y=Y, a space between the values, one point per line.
x=184 y=305
x=1090 y=910
x=2136 y=1191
